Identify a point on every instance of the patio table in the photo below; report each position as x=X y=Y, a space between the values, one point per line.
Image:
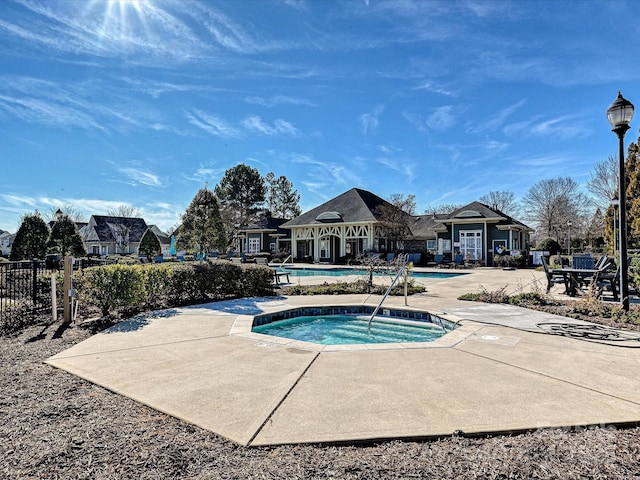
x=573 y=276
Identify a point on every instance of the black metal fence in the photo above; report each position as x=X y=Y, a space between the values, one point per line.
x=24 y=282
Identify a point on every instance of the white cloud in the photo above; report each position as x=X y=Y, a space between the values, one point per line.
x=369 y=121
x=278 y=100
x=254 y=123
x=435 y=89
x=19 y=200
x=138 y=176
x=442 y=118
x=211 y=124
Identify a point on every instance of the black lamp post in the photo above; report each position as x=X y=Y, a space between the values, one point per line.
x=569 y=246
x=619 y=115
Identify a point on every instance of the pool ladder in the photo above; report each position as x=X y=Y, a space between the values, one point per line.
x=384 y=297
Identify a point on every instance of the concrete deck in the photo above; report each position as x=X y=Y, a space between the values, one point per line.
x=500 y=372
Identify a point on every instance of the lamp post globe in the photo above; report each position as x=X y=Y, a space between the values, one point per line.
x=619 y=115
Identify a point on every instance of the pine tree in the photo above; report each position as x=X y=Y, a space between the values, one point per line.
x=282 y=200
x=241 y=191
x=202 y=229
x=65 y=238
x=31 y=238
x=150 y=245
x=632 y=175
x=610 y=233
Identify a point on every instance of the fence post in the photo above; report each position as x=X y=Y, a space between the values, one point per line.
x=34 y=283
x=66 y=289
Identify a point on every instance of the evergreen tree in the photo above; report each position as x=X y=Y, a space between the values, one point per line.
x=632 y=181
x=150 y=245
x=202 y=229
x=282 y=200
x=632 y=176
x=65 y=238
x=241 y=191
x=595 y=232
x=610 y=233
x=31 y=238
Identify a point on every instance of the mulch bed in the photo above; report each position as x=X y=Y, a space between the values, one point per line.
x=56 y=425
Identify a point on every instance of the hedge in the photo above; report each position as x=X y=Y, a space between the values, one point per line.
x=133 y=288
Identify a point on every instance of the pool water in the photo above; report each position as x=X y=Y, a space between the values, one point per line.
x=350 y=329
x=341 y=272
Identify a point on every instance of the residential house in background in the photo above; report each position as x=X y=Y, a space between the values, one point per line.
x=109 y=235
x=6 y=240
x=163 y=238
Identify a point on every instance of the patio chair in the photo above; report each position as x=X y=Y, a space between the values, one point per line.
x=438 y=260
x=458 y=261
x=582 y=262
x=551 y=278
x=390 y=257
x=609 y=281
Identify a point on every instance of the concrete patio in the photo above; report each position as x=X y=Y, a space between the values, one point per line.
x=501 y=371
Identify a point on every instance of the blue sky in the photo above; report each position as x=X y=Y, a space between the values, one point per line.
x=142 y=102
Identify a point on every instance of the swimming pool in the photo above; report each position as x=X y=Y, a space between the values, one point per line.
x=350 y=325
x=341 y=272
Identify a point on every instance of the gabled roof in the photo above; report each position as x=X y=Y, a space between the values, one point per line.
x=479 y=212
x=353 y=206
x=268 y=225
x=105 y=228
x=163 y=238
x=426 y=226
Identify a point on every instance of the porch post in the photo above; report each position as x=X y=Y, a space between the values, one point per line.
x=294 y=243
x=316 y=244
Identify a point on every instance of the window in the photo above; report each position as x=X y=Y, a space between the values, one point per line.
x=471 y=244
x=254 y=245
x=325 y=249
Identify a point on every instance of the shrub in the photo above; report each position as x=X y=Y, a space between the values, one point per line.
x=496 y=296
x=158 y=281
x=357 y=287
x=112 y=287
x=509 y=261
x=550 y=245
x=16 y=315
x=527 y=298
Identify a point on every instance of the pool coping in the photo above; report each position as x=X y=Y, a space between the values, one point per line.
x=242 y=327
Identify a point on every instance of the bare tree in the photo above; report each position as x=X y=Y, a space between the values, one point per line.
x=442 y=208
x=406 y=204
x=603 y=184
x=395 y=218
x=125 y=210
x=551 y=203
x=505 y=201
x=69 y=210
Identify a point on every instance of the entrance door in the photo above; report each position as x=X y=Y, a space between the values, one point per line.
x=471 y=244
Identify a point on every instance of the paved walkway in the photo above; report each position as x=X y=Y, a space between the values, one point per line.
x=500 y=372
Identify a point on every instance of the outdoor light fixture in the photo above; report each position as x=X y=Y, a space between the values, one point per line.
x=569 y=225
x=619 y=115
